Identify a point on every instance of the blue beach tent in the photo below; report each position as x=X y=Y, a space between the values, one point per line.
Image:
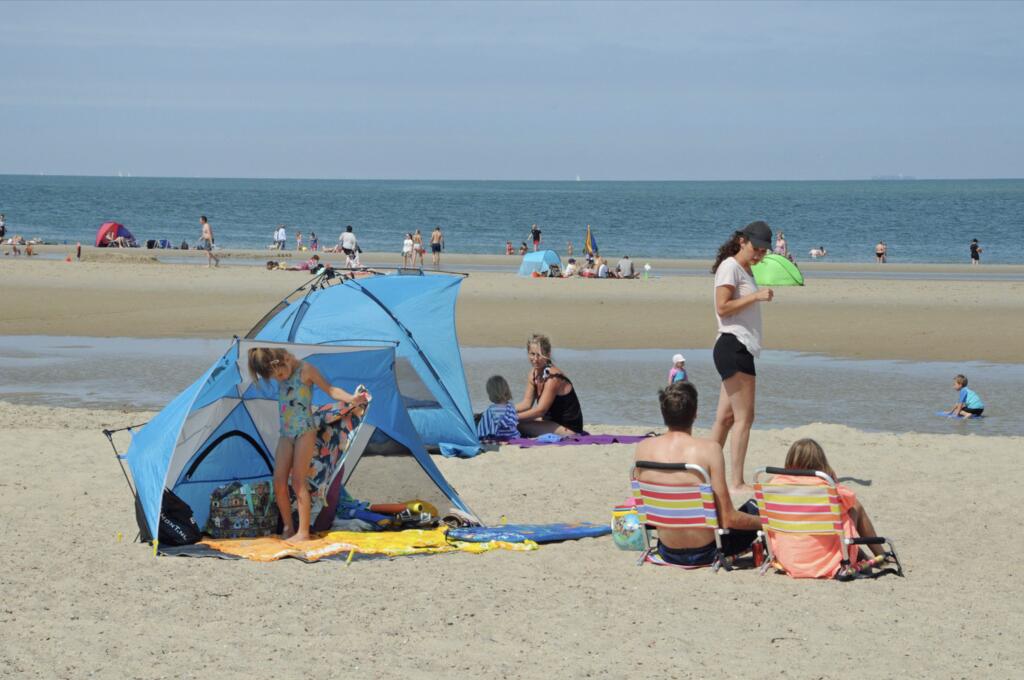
x=539 y=261
x=224 y=428
x=414 y=313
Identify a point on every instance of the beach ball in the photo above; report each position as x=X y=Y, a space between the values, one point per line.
x=627 y=532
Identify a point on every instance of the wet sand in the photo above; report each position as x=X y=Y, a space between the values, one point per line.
x=127 y=293
x=78 y=603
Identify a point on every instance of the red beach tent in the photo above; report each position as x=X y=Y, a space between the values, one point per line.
x=109 y=231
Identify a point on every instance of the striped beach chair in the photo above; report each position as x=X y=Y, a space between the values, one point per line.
x=813 y=510
x=684 y=506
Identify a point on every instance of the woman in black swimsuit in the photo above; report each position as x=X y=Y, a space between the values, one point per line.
x=550 y=403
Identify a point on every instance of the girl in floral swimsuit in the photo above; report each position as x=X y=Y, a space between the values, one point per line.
x=298 y=433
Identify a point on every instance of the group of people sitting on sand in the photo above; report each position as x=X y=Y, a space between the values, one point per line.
x=598 y=268
x=549 y=405
x=801 y=556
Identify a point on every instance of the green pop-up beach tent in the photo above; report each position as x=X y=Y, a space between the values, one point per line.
x=775 y=270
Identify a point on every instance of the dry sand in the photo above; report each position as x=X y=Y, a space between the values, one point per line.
x=77 y=603
x=121 y=295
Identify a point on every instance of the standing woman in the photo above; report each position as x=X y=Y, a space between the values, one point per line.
x=738 y=310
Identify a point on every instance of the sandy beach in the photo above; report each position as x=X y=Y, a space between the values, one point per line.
x=128 y=293
x=80 y=603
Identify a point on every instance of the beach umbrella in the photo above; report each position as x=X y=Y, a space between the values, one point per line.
x=776 y=270
x=590 y=243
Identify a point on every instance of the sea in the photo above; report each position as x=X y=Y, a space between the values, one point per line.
x=921 y=221
x=616 y=387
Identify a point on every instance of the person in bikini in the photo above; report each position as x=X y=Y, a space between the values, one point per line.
x=550 y=404
x=694 y=547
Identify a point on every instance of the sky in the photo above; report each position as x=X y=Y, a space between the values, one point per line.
x=548 y=91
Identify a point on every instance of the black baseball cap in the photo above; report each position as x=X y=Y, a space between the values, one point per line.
x=758 y=233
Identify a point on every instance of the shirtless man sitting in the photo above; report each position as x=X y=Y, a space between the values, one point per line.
x=693 y=547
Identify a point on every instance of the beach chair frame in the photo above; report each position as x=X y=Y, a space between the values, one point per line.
x=816 y=513
x=694 y=508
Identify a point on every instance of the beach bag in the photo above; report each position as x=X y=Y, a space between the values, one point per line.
x=242 y=510
x=627 y=531
x=177 y=525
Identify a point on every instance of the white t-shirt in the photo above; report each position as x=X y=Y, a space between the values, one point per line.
x=407 y=246
x=746 y=323
x=281 y=236
x=626 y=267
x=348 y=240
x=602 y=271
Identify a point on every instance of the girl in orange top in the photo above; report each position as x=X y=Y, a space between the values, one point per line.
x=804 y=556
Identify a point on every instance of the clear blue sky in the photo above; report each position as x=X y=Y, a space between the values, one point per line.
x=513 y=91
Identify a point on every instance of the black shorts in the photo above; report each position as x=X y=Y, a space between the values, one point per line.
x=736 y=542
x=435 y=247
x=732 y=357
x=973 y=411
x=348 y=251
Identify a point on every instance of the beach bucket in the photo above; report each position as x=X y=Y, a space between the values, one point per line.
x=627 y=532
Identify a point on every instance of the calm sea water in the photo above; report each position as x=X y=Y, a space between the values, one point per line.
x=616 y=387
x=921 y=221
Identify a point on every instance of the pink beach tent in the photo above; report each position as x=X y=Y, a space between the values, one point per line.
x=109 y=231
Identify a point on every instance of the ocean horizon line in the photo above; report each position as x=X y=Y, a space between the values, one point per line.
x=873 y=179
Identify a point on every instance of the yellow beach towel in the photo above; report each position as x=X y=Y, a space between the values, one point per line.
x=388 y=543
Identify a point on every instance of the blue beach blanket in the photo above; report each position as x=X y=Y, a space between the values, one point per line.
x=538 y=533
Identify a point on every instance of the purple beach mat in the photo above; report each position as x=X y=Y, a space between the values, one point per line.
x=580 y=439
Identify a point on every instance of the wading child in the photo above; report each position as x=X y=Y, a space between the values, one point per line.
x=678 y=371
x=500 y=420
x=968 y=403
x=298 y=433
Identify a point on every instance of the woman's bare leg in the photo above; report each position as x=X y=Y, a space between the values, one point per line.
x=723 y=418
x=300 y=483
x=535 y=428
x=865 y=527
x=282 y=468
x=742 y=389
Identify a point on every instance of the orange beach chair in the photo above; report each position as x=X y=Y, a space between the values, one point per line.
x=813 y=509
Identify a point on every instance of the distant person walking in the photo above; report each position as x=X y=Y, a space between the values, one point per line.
x=314 y=242
x=282 y=237
x=535 y=237
x=348 y=241
x=298 y=240
x=407 y=254
x=975 y=252
x=437 y=245
x=880 y=251
x=206 y=242
x=781 y=248
x=417 y=248
x=738 y=312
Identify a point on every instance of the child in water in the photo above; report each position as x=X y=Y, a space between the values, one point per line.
x=499 y=420
x=294 y=452
x=678 y=371
x=968 y=403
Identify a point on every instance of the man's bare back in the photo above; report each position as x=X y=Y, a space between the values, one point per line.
x=677 y=446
